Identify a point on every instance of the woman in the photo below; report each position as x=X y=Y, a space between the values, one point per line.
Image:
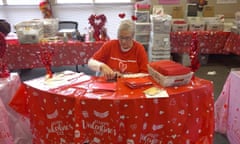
x=120 y=56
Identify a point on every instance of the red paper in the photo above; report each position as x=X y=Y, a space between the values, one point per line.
x=107 y=86
x=139 y=82
x=169 y=68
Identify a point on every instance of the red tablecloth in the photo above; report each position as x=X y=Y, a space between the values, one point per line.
x=21 y=56
x=210 y=42
x=73 y=113
x=227 y=109
x=232 y=44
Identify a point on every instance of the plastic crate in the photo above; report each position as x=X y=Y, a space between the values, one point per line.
x=29 y=31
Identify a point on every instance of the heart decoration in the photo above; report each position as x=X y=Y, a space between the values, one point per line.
x=121 y=15
x=134 y=18
x=97 y=22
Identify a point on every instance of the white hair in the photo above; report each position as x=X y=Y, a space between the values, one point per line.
x=127 y=25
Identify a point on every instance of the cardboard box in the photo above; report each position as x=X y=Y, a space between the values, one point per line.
x=177 y=12
x=208 y=11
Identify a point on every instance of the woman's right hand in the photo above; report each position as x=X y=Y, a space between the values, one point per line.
x=107 y=72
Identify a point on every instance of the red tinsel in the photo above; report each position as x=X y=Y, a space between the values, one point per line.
x=194 y=53
x=97 y=22
x=46 y=58
x=4 y=72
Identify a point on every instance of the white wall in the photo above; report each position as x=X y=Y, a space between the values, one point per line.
x=79 y=13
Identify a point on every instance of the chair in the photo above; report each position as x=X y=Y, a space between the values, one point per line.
x=69 y=26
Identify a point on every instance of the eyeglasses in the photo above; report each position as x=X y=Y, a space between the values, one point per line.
x=125 y=38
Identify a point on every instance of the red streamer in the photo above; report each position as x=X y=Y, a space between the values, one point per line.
x=46 y=58
x=4 y=72
x=194 y=53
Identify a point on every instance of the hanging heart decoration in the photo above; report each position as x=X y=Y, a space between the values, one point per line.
x=121 y=15
x=97 y=22
x=134 y=18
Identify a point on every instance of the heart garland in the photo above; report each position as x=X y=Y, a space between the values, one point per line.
x=97 y=22
x=122 y=15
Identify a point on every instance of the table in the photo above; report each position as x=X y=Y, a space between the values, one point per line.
x=25 y=56
x=15 y=127
x=210 y=42
x=232 y=44
x=227 y=109
x=66 y=110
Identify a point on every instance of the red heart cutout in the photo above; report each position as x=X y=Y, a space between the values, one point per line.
x=134 y=18
x=121 y=15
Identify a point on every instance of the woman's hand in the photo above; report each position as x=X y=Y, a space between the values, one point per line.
x=107 y=72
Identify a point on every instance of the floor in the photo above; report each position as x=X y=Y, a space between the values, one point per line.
x=216 y=69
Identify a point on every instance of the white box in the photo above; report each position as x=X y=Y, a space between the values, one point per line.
x=167 y=81
x=142 y=16
x=179 y=27
x=143 y=38
x=29 y=31
x=159 y=40
x=161 y=28
x=196 y=26
x=215 y=26
x=143 y=28
x=161 y=24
